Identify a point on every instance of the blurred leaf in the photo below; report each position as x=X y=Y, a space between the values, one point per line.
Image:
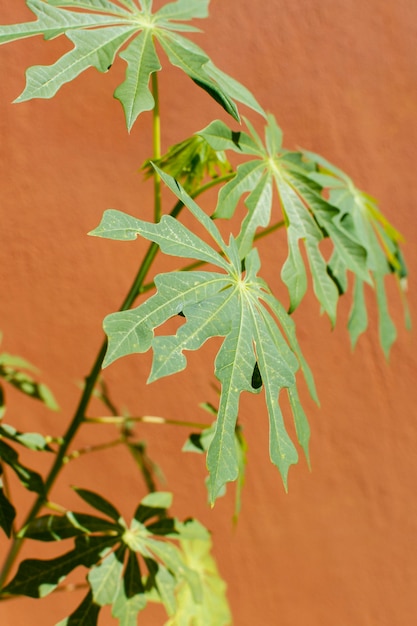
x=86 y=614
x=99 y=503
x=29 y=478
x=7 y=511
x=149 y=469
x=130 y=598
x=36 y=578
x=153 y=505
x=33 y=441
x=57 y=527
x=213 y=609
x=11 y=371
x=104 y=577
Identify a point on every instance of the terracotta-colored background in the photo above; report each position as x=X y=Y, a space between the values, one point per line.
x=341 y=77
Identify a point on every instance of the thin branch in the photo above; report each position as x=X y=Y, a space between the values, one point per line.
x=146 y=419
x=87 y=449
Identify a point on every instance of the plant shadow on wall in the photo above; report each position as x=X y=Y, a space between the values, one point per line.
x=154 y=557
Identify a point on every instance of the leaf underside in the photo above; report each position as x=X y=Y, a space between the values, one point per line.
x=225 y=303
x=101 y=30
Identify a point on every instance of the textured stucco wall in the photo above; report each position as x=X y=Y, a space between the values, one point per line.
x=341 y=77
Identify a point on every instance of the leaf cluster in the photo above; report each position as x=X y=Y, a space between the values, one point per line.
x=102 y=29
x=128 y=564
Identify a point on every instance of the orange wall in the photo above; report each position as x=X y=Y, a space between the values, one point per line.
x=341 y=78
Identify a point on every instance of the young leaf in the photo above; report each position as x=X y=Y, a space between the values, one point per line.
x=100 y=28
x=189 y=162
x=228 y=305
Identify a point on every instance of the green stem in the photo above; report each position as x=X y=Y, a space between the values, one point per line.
x=91 y=380
x=156 y=136
x=87 y=449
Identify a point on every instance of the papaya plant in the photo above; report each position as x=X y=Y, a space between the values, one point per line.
x=218 y=292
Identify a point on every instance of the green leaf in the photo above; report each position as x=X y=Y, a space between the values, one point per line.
x=166 y=585
x=387 y=330
x=100 y=28
x=2 y=403
x=220 y=137
x=92 y=48
x=29 y=478
x=99 y=503
x=227 y=305
x=184 y=10
x=33 y=441
x=302 y=226
x=172 y=237
x=11 y=371
x=358 y=318
x=247 y=178
x=300 y=420
x=134 y=93
x=53 y=22
x=130 y=598
x=36 y=578
x=86 y=614
x=361 y=219
x=259 y=203
x=189 y=162
x=7 y=512
x=58 y=527
x=363 y=240
x=105 y=577
x=213 y=609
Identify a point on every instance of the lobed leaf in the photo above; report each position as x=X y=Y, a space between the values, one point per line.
x=228 y=305
x=92 y=48
x=53 y=22
x=100 y=28
x=134 y=92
